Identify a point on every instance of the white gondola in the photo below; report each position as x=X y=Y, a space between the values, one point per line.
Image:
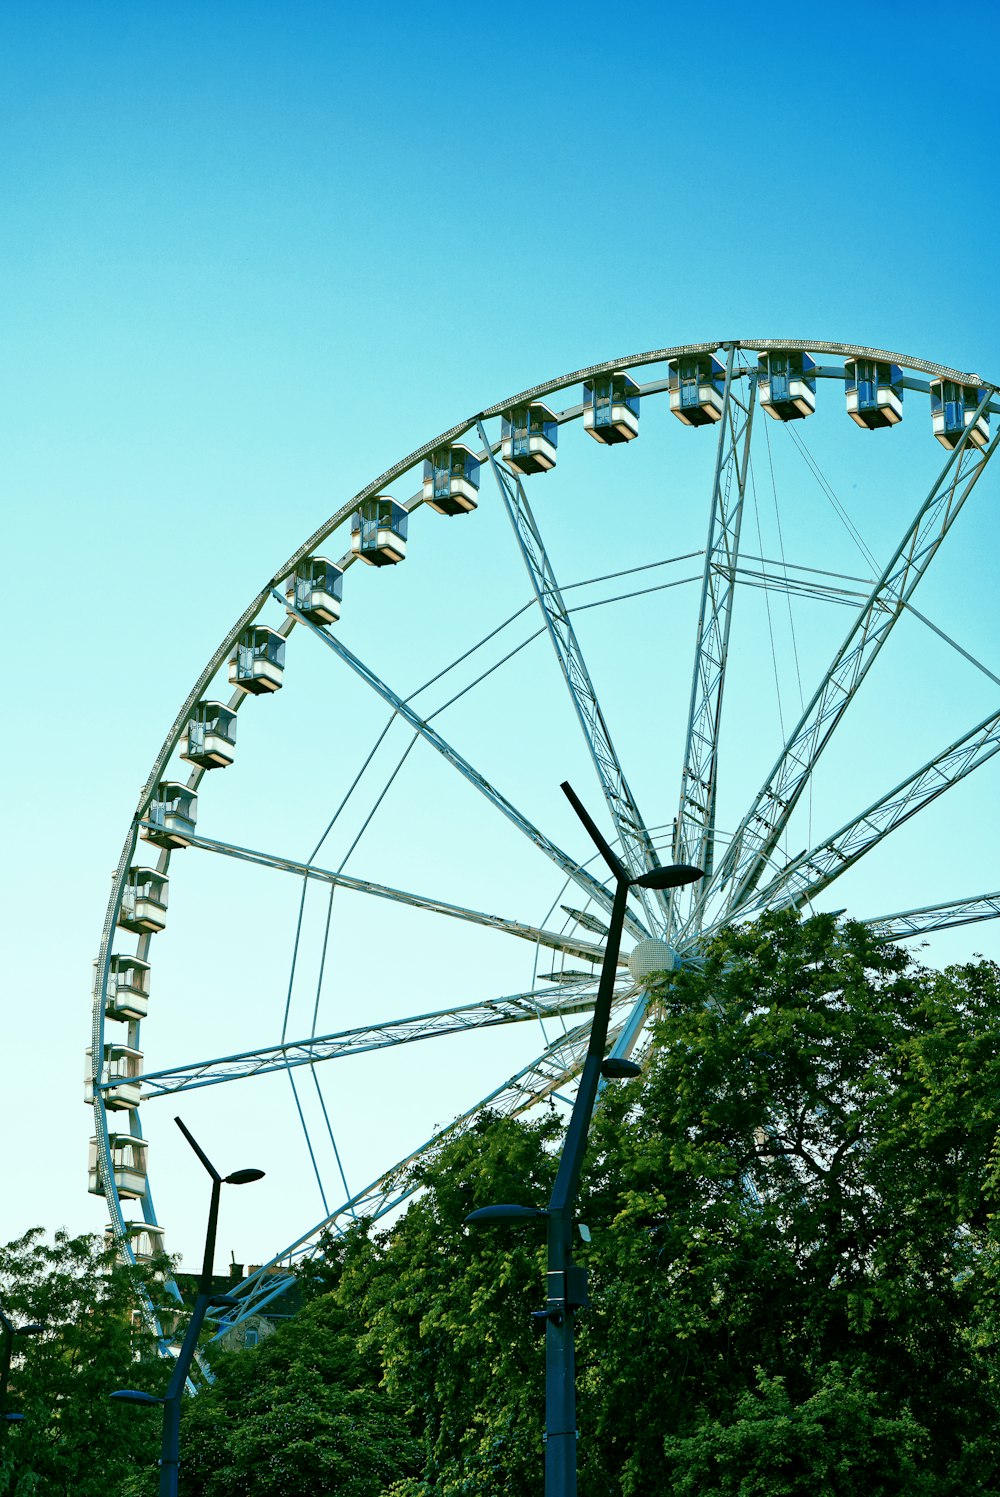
x=171 y=816
x=786 y=384
x=144 y=901
x=697 y=387
x=874 y=392
x=316 y=590
x=127 y=993
x=119 y=1070
x=258 y=661
x=209 y=739
x=378 y=531
x=953 y=410
x=128 y=1165
x=451 y=480
x=611 y=408
x=144 y=1239
x=528 y=438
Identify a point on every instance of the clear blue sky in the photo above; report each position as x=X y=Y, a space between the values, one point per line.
x=249 y=256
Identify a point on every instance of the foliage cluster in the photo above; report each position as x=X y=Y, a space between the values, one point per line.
x=73 y=1439
x=794 y=1269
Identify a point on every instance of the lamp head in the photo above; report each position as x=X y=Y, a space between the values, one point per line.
x=505 y=1213
x=135 y=1395
x=243 y=1177
x=673 y=876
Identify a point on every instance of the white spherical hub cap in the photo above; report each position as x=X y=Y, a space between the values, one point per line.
x=650 y=956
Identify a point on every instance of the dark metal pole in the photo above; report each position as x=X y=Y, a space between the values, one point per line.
x=560 y=1363
x=560 y=1359
x=5 y=1356
x=170 y=1445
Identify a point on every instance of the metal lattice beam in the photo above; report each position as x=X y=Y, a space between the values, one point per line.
x=580 y=876
x=811 y=872
x=931 y=917
x=574 y=998
x=638 y=852
x=569 y=945
x=764 y=822
x=694 y=834
x=540 y=1078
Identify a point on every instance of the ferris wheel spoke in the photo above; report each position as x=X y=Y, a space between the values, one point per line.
x=638 y=851
x=568 y=945
x=556 y=1066
x=430 y=734
x=932 y=917
x=694 y=835
x=767 y=817
x=811 y=872
x=573 y=998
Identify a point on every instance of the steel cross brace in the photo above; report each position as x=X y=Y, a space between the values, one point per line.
x=516 y=1008
x=764 y=822
x=579 y=875
x=694 y=831
x=931 y=917
x=540 y=1078
x=638 y=852
x=811 y=872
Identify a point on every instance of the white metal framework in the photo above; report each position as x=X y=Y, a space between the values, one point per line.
x=497 y=721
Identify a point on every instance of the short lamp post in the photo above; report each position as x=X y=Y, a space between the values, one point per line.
x=7 y=1332
x=170 y=1443
x=566 y=1282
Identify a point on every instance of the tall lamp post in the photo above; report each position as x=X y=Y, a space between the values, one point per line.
x=565 y=1282
x=7 y=1332
x=170 y=1443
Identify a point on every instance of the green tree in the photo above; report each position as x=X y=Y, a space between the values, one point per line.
x=801 y=1189
x=444 y=1312
x=299 y=1415
x=73 y=1439
x=795 y=1267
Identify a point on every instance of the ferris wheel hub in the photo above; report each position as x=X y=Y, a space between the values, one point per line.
x=652 y=956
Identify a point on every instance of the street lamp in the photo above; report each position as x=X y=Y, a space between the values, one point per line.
x=170 y=1443
x=9 y=1331
x=566 y=1283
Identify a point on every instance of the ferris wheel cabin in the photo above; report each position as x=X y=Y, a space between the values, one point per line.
x=316 y=590
x=874 y=392
x=144 y=901
x=378 y=531
x=529 y=435
x=697 y=385
x=209 y=740
x=127 y=994
x=953 y=410
x=786 y=384
x=128 y=1165
x=144 y=1239
x=120 y=1069
x=451 y=480
x=611 y=408
x=258 y=662
x=171 y=816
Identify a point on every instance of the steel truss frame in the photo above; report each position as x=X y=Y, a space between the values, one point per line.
x=734 y=887
x=694 y=835
x=761 y=827
x=638 y=852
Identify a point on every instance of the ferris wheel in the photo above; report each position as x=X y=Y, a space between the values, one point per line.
x=405 y=724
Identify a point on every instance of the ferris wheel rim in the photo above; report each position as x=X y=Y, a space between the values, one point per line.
x=335 y=521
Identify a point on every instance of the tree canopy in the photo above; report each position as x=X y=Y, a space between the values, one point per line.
x=794 y=1268
x=73 y=1439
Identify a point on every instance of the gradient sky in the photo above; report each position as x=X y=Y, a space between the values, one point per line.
x=250 y=256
